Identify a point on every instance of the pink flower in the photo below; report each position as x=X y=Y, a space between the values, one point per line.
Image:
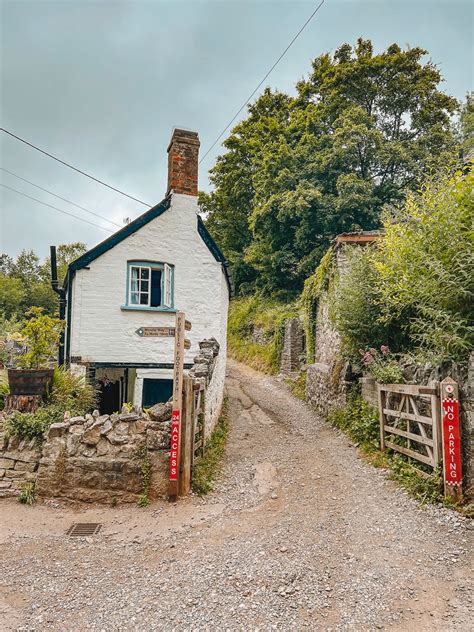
x=368 y=358
x=384 y=349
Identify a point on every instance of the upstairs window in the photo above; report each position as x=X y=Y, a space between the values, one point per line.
x=150 y=285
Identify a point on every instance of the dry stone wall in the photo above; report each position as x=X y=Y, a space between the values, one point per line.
x=98 y=458
x=19 y=462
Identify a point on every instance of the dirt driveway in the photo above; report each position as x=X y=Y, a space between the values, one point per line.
x=299 y=534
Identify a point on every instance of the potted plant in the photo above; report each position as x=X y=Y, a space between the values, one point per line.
x=40 y=335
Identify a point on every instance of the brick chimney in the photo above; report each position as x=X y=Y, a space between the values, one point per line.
x=183 y=153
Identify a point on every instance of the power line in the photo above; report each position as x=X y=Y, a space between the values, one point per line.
x=74 y=168
x=60 y=210
x=263 y=80
x=61 y=198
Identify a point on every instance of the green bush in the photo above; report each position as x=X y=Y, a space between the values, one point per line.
x=4 y=390
x=425 y=265
x=208 y=466
x=382 y=365
x=359 y=420
x=68 y=392
x=355 y=308
x=33 y=425
x=27 y=494
x=247 y=313
x=72 y=392
x=41 y=334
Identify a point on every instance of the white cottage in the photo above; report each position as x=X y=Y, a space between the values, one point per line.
x=162 y=262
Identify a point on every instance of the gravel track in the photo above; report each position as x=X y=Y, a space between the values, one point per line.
x=299 y=534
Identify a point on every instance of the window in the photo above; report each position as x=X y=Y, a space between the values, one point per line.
x=150 y=285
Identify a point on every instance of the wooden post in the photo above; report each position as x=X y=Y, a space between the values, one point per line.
x=381 y=397
x=177 y=406
x=451 y=431
x=436 y=429
x=186 y=438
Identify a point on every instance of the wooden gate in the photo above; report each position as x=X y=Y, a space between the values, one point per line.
x=410 y=422
x=192 y=431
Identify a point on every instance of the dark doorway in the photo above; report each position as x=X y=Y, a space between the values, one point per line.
x=156 y=391
x=109 y=397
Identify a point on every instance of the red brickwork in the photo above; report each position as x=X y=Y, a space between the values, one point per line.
x=183 y=154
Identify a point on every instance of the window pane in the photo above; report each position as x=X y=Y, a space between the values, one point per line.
x=134 y=298
x=134 y=280
x=155 y=288
x=144 y=286
x=143 y=299
x=144 y=273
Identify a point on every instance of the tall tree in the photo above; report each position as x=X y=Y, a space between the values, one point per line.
x=25 y=282
x=362 y=130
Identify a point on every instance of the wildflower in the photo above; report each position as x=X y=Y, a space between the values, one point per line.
x=385 y=350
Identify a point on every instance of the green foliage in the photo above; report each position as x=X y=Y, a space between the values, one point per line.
x=12 y=294
x=425 y=490
x=27 y=494
x=4 y=390
x=245 y=315
x=298 y=385
x=41 y=334
x=355 y=308
x=33 y=425
x=68 y=392
x=143 y=458
x=425 y=265
x=466 y=124
x=313 y=288
x=72 y=392
x=382 y=365
x=359 y=420
x=26 y=282
x=208 y=466
x=362 y=129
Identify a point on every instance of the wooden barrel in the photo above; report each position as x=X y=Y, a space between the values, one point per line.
x=29 y=381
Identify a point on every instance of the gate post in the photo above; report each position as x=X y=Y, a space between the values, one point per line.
x=451 y=431
x=184 y=484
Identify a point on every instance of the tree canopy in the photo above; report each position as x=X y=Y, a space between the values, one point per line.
x=25 y=282
x=362 y=130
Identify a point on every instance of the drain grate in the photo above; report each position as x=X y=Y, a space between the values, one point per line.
x=84 y=529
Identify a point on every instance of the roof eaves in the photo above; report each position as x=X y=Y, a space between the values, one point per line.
x=121 y=234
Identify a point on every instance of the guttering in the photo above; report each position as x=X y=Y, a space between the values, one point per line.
x=62 y=300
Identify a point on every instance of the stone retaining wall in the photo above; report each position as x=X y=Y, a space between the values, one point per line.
x=95 y=458
x=98 y=458
x=19 y=462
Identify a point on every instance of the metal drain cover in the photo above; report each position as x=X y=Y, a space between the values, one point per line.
x=84 y=529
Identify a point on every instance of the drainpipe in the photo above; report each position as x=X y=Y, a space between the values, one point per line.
x=62 y=300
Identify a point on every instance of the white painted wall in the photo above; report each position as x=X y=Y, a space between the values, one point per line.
x=103 y=332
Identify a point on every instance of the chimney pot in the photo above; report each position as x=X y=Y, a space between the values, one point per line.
x=183 y=155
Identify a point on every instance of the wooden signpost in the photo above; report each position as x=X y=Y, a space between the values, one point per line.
x=451 y=440
x=180 y=344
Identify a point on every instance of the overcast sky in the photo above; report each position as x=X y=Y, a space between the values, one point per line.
x=102 y=84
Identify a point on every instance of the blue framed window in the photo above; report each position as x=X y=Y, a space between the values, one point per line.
x=150 y=285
